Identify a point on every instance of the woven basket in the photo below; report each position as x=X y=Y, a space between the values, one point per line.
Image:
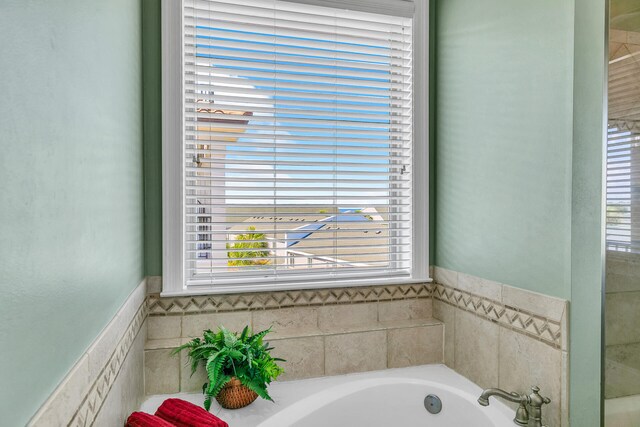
x=234 y=395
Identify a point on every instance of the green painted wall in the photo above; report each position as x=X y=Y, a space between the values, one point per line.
x=503 y=155
x=71 y=195
x=151 y=57
x=587 y=229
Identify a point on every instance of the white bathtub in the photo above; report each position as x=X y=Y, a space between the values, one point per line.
x=622 y=411
x=393 y=397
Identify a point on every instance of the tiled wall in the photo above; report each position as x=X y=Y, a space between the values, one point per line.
x=106 y=384
x=501 y=336
x=496 y=335
x=319 y=332
x=622 y=317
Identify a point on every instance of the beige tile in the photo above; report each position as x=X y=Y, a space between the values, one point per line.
x=346 y=315
x=356 y=352
x=163 y=327
x=168 y=343
x=445 y=277
x=447 y=314
x=613 y=49
x=479 y=286
x=154 y=284
x=102 y=348
x=524 y=362
x=622 y=313
x=65 y=400
x=407 y=309
x=542 y=305
x=161 y=372
x=564 y=391
x=476 y=349
x=191 y=383
x=622 y=370
x=304 y=357
x=617 y=282
x=565 y=329
x=110 y=413
x=283 y=319
x=415 y=346
x=127 y=391
x=617 y=36
x=633 y=38
x=622 y=272
x=194 y=324
x=136 y=299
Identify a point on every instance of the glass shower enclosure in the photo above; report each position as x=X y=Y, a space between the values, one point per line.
x=622 y=284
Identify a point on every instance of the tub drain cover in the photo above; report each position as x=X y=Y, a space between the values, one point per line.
x=433 y=404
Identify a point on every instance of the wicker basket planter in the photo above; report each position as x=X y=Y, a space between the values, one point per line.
x=234 y=395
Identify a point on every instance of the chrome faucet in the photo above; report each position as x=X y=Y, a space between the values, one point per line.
x=529 y=412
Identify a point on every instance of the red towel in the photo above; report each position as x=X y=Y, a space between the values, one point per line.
x=184 y=414
x=142 y=419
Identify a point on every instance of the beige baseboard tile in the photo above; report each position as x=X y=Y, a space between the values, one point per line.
x=446 y=313
x=194 y=324
x=356 y=352
x=154 y=284
x=479 y=286
x=445 y=277
x=476 y=344
x=523 y=362
x=161 y=372
x=304 y=357
x=409 y=309
x=415 y=346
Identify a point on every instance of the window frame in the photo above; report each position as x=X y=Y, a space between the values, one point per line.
x=173 y=173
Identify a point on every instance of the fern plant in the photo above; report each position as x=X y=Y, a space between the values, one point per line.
x=227 y=354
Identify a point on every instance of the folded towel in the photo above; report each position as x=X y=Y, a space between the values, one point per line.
x=142 y=419
x=185 y=414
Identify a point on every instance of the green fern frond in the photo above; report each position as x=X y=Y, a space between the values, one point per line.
x=207 y=402
x=245 y=333
x=257 y=338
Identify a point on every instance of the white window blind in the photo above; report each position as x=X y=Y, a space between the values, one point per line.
x=297 y=143
x=623 y=152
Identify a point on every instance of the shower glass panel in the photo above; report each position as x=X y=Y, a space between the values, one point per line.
x=622 y=310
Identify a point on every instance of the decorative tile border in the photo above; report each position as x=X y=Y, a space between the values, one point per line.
x=281 y=299
x=79 y=398
x=92 y=403
x=517 y=319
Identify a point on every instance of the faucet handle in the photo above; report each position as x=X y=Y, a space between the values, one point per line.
x=535 y=399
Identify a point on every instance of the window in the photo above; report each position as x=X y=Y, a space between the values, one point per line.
x=289 y=146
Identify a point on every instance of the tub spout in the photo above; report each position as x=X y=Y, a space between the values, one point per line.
x=522 y=415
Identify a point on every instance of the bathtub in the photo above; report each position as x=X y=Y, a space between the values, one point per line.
x=393 y=397
x=622 y=411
